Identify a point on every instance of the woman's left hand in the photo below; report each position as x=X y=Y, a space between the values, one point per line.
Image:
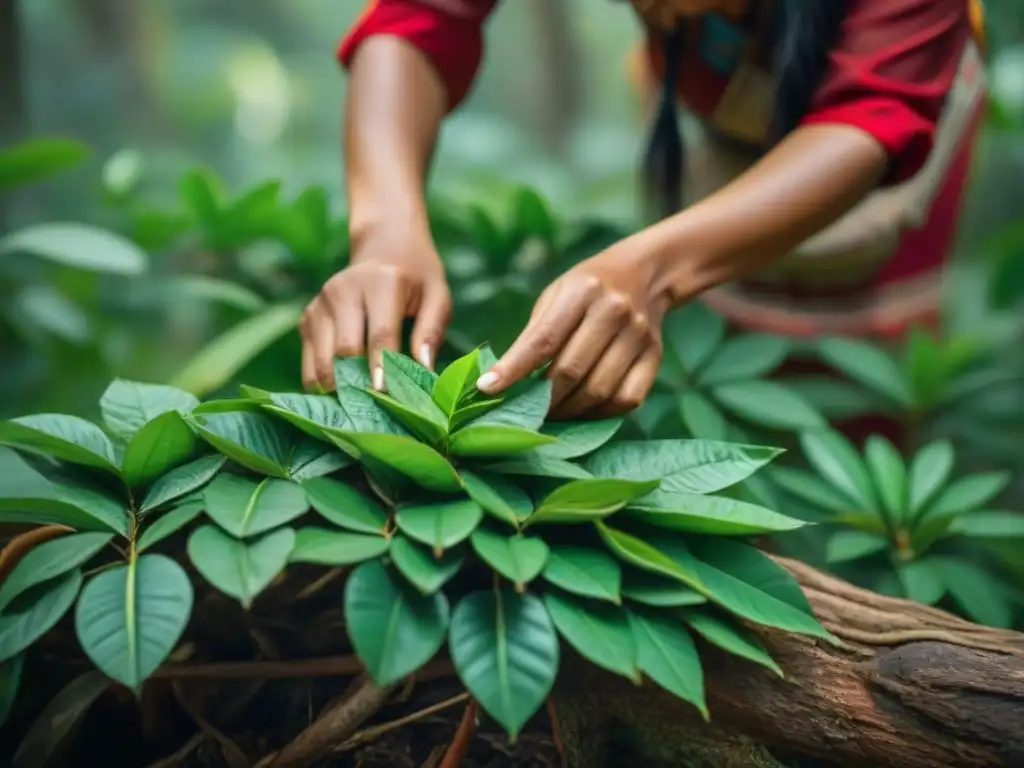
x=599 y=325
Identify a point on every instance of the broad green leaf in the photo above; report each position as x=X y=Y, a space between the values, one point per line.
x=10 y=683
x=129 y=618
x=35 y=159
x=311 y=458
x=81 y=246
x=929 y=471
x=745 y=357
x=836 y=460
x=487 y=358
x=584 y=571
x=869 y=365
x=599 y=631
x=352 y=372
x=48 y=561
x=344 y=506
x=158 y=447
x=654 y=412
x=531 y=216
x=520 y=559
x=525 y=411
x=767 y=404
x=394 y=629
x=731 y=637
x=180 y=481
x=922 y=581
x=206 y=289
x=67 y=438
x=638 y=553
x=531 y=465
x=577 y=438
x=693 y=333
x=505 y=651
x=748 y=583
x=666 y=654
x=440 y=525
x=812 y=489
x=836 y=398
x=990 y=525
x=424 y=571
x=410 y=371
x=499 y=497
x=456 y=382
x=245 y=508
x=421 y=463
x=325 y=547
x=127 y=406
x=581 y=501
x=472 y=411
x=36 y=612
x=425 y=428
x=688 y=466
x=254 y=440
x=889 y=474
x=978 y=593
x=708 y=514
x=202 y=194
x=313 y=414
x=966 y=494
x=225 y=356
x=701 y=417
x=846 y=546
x=658 y=591
x=168 y=523
x=490 y=441
x=365 y=414
x=240 y=569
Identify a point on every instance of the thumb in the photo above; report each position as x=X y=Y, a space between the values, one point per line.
x=431 y=322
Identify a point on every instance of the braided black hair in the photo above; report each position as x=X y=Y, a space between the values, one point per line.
x=801 y=42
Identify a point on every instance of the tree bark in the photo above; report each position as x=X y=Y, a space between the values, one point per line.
x=905 y=686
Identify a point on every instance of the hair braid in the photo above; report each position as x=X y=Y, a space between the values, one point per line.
x=664 y=162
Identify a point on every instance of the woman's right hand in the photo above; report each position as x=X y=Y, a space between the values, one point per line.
x=360 y=311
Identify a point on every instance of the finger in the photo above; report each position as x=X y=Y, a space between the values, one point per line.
x=431 y=321
x=320 y=332
x=309 y=379
x=540 y=340
x=600 y=328
x=348 y=310
x=385 y=310
x=634 y=388
x=607 y=375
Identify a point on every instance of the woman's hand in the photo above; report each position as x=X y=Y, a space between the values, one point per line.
x=599 y=325
x=361 y=309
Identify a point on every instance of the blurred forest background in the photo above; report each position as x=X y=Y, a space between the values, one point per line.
x=250 y=90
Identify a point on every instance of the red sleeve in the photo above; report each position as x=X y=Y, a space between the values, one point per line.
x=889 y=75
x=448 y=32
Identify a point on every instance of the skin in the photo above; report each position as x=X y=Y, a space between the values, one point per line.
x=599 y=324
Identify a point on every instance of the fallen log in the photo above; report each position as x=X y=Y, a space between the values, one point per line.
x=905 y=686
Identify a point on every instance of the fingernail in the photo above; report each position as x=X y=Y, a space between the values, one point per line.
x=487 y=381
x=378 y=379
x=425 y=355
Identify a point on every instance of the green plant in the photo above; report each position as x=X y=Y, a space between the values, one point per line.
x=909 y=528
x=467 y=520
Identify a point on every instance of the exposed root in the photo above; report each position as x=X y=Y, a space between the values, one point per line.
x=457 y=750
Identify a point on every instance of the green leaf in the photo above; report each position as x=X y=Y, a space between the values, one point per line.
x=731 y=637
x=812 y=489
x=922 y=581
x=440 y=525
x=990 y=525
x=836 y=398
x=688 y=466
x=581 y=501
x=525 y=411
x=472 y=411
x=129 y=618
x=748 y=583
x=127 y=406
x=81 y=246
x=979 y=594
x=599 y=631
x=869 y=365
x=846 y=546
x=745 y=357
x=889 y=474
x=519 y=558
x=482 y=440
x=346 y=507
x=160 y=446
x=168 y=523
x=254 y=440
x=315 y=415
x=49 y=737
x=929 y=471
x=245 y=508
x=325 y=547
x=584 y=571
x=767 y=404
x=352 y=372
x=967 y=494
x=424 y=571
x=180 y=481
x=498 y=496
x=531 y=216
x=394 y=630
x=577 y=438
x=701 y=418
x=708 y=514
x=531 y=465
x=225 y=356
x=638 y=553
x=67 y=438
x=311 y=459
x=240 y=569
x=10 y=683
x=421 y=463
x=505 y=651
x=365 y=414
x=201 y=192
x=48 y=561
x=837 y=461
x=403 y=371
x=205 y=289
x=666 y=653
x=423 y=418
x=658 y=591
x=693 y=333
x=456 y=382
x=36 y=159
x=36 y=613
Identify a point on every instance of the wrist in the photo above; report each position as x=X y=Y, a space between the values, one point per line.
x=373 y=219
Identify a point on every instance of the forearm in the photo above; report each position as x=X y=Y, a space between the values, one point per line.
x=395 y=107
x=809 y=180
